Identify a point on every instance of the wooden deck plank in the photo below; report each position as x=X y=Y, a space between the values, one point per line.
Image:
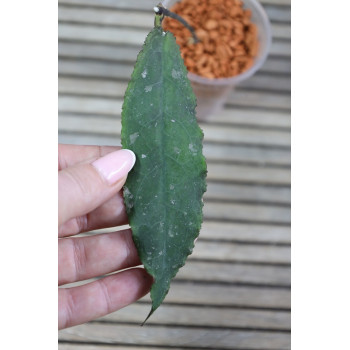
x=265 y=81
x=216 y=274
x=248 y=154
x=281 y=48
x=233 y=231
x=203 y=316
x=246 y=212
x=147 y=5
x=240 y=252
x=179 y=336
x=278 y=13
x=99 y=88
x=213 y=133
x=134 y=36
x=205 y=295
x=217 y=230
x=212 y=272
x=225 y=153
x=83 y=346
x=276 y=65
x=235 y=173
x=259 y=99
x=116 y=70
x=247 y=193
x=249 y=174
x=142 y=20
x=128 y=54
x=221 y=295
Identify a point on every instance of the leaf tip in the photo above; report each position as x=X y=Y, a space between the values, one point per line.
x=149 y=315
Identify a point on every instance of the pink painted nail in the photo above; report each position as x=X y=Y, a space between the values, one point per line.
x=115 y=165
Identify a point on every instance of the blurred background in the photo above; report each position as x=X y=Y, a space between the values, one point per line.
x=234 y=291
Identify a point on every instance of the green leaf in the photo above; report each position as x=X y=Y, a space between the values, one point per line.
x=163 y=193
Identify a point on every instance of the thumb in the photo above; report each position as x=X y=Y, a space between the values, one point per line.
x=84 y=187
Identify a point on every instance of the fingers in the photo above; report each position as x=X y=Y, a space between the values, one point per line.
x=109 y=214
x=84 y=187
x=69 y=155
x=81 y=304
x=86 y=257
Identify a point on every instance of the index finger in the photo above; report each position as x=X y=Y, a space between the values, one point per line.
x=69 y=155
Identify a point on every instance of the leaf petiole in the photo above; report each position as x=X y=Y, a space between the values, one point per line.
x=161 y=12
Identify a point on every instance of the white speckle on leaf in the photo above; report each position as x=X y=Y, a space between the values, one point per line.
x=192 y=149
x=175 y=74
x=171 y=186
x=143 y=156
x=173 y=121
x=151 y=104
x=163 y=33
x=129 y=204
x=144 y=74
x=133 y=137
x=148 y=88
x=127 y=192
x=170 y=233
x=177 y=150
x=172 y=201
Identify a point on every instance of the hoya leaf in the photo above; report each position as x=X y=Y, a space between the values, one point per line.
x=163 y=193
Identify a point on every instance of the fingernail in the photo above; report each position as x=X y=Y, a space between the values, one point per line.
x=115 y=165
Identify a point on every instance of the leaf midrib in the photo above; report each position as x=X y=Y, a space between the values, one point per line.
x=164 y=173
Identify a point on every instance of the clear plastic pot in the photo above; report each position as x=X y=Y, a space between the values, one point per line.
x=212 y=93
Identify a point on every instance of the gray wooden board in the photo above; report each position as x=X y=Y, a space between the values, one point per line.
x=128 y=54
x=259 y=99
x=248 y=175
x=208 y=316
x=249 y=193
x=230 y=274
x=176 y=336
x=225 y=153
x=213 y=133
x=278 y=13
x=84 y=346
x=135 y=36
x=235 y=273
x=282 y=10
x=222 y=295
x=116 y=70
x=254 y=213
x=142 y=20
x=100 y=89
x=228 y=251
x=211 y=294
x=231 y=231
x=216 y=230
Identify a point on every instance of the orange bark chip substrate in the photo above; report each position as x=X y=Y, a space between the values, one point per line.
x=228 y=39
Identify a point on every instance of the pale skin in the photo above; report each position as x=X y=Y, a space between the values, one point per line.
x=86 y=201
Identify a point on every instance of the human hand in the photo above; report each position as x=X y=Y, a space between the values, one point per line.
x=90 y=179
